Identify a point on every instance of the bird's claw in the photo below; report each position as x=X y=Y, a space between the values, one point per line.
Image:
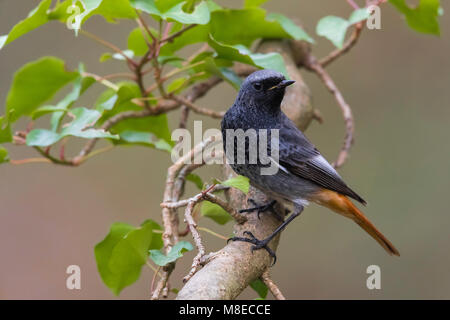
x=257 y=244
x=262 y=208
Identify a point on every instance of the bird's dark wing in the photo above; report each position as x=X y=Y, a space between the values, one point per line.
x=300 y=157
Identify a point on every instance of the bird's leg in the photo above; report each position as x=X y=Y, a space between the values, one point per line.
x=260 y=244
x=262 y=208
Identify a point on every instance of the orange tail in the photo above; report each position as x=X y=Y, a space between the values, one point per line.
x=342 y=205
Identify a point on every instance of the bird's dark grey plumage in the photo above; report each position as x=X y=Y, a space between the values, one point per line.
x=305 y=168
x=304 y=175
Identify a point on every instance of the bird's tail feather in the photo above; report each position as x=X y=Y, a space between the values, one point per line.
x=342 y=205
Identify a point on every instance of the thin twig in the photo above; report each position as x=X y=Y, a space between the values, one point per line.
x=315 y=66
x=153 y=268
x=207 y=195
x=154 y=278
x=272 y=286
x=108 y=45
x=196 y=263
x=183 y=117
x=101 y=80
x=226 y=206
x=119 y=75
x=29 y=160
x=143 y=25
x=53 y=159
x=197 y=109
x=161 y=285
x=353 y=4
x=212 y=232
x=177 y=34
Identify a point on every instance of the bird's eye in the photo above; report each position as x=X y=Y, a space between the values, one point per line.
x=257 y=86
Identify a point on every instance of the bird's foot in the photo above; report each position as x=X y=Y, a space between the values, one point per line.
x=257 y=244
x=262 y=208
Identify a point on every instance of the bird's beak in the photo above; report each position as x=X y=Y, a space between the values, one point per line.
x=282 y=84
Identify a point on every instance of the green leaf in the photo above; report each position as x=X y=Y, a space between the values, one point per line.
x=213 y=66
x=195 y=179
x=5 y=131
x=41 y=111
x=80 y=85
x=215 y=212
x=172 y=60
x=200 y=15
x=164 y=5
x=157 y=241
x=242 y=54
x=334 y=28
x=253 y=3
x=238 y=27
x=137 y=42
x=147 y=6
x=112 y=103
x=103 y=253
x=212 y=6
x=424 y=17
x=35 y=83
x=195 y=35
x=109 y=9
x=260 y=288
x=115 y=9
x=358 y=15
x=176 y=85
x=175 y=253
x=121 y=255
x=239 y=182
x=246 y=25
x=79 y=127
x=36 y=18
x=144 y=139
x=290 y=27
x=3 y=155
x=106 y=56
x=270 y=60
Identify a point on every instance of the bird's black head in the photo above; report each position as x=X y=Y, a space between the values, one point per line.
x=264 y=88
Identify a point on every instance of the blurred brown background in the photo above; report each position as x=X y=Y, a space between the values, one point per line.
x=397 y=82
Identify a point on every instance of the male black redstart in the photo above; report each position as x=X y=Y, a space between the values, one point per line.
x=303 y=174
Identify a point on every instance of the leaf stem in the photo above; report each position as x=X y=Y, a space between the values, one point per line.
x=108 y=45
x=101 y=80
x=213 y=233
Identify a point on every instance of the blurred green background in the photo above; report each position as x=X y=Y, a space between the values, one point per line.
x=398 y=83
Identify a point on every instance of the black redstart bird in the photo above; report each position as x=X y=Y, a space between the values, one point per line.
x=302 y=176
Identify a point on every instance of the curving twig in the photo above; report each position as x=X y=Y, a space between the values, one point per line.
x=197 y=109
x=354 y=37
x=164 y=106
x=197 y=240
x=170 y=220
x=272 y=286
x=207 y=195
x=349 y=44
x=315 y=66
x=177 y=34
